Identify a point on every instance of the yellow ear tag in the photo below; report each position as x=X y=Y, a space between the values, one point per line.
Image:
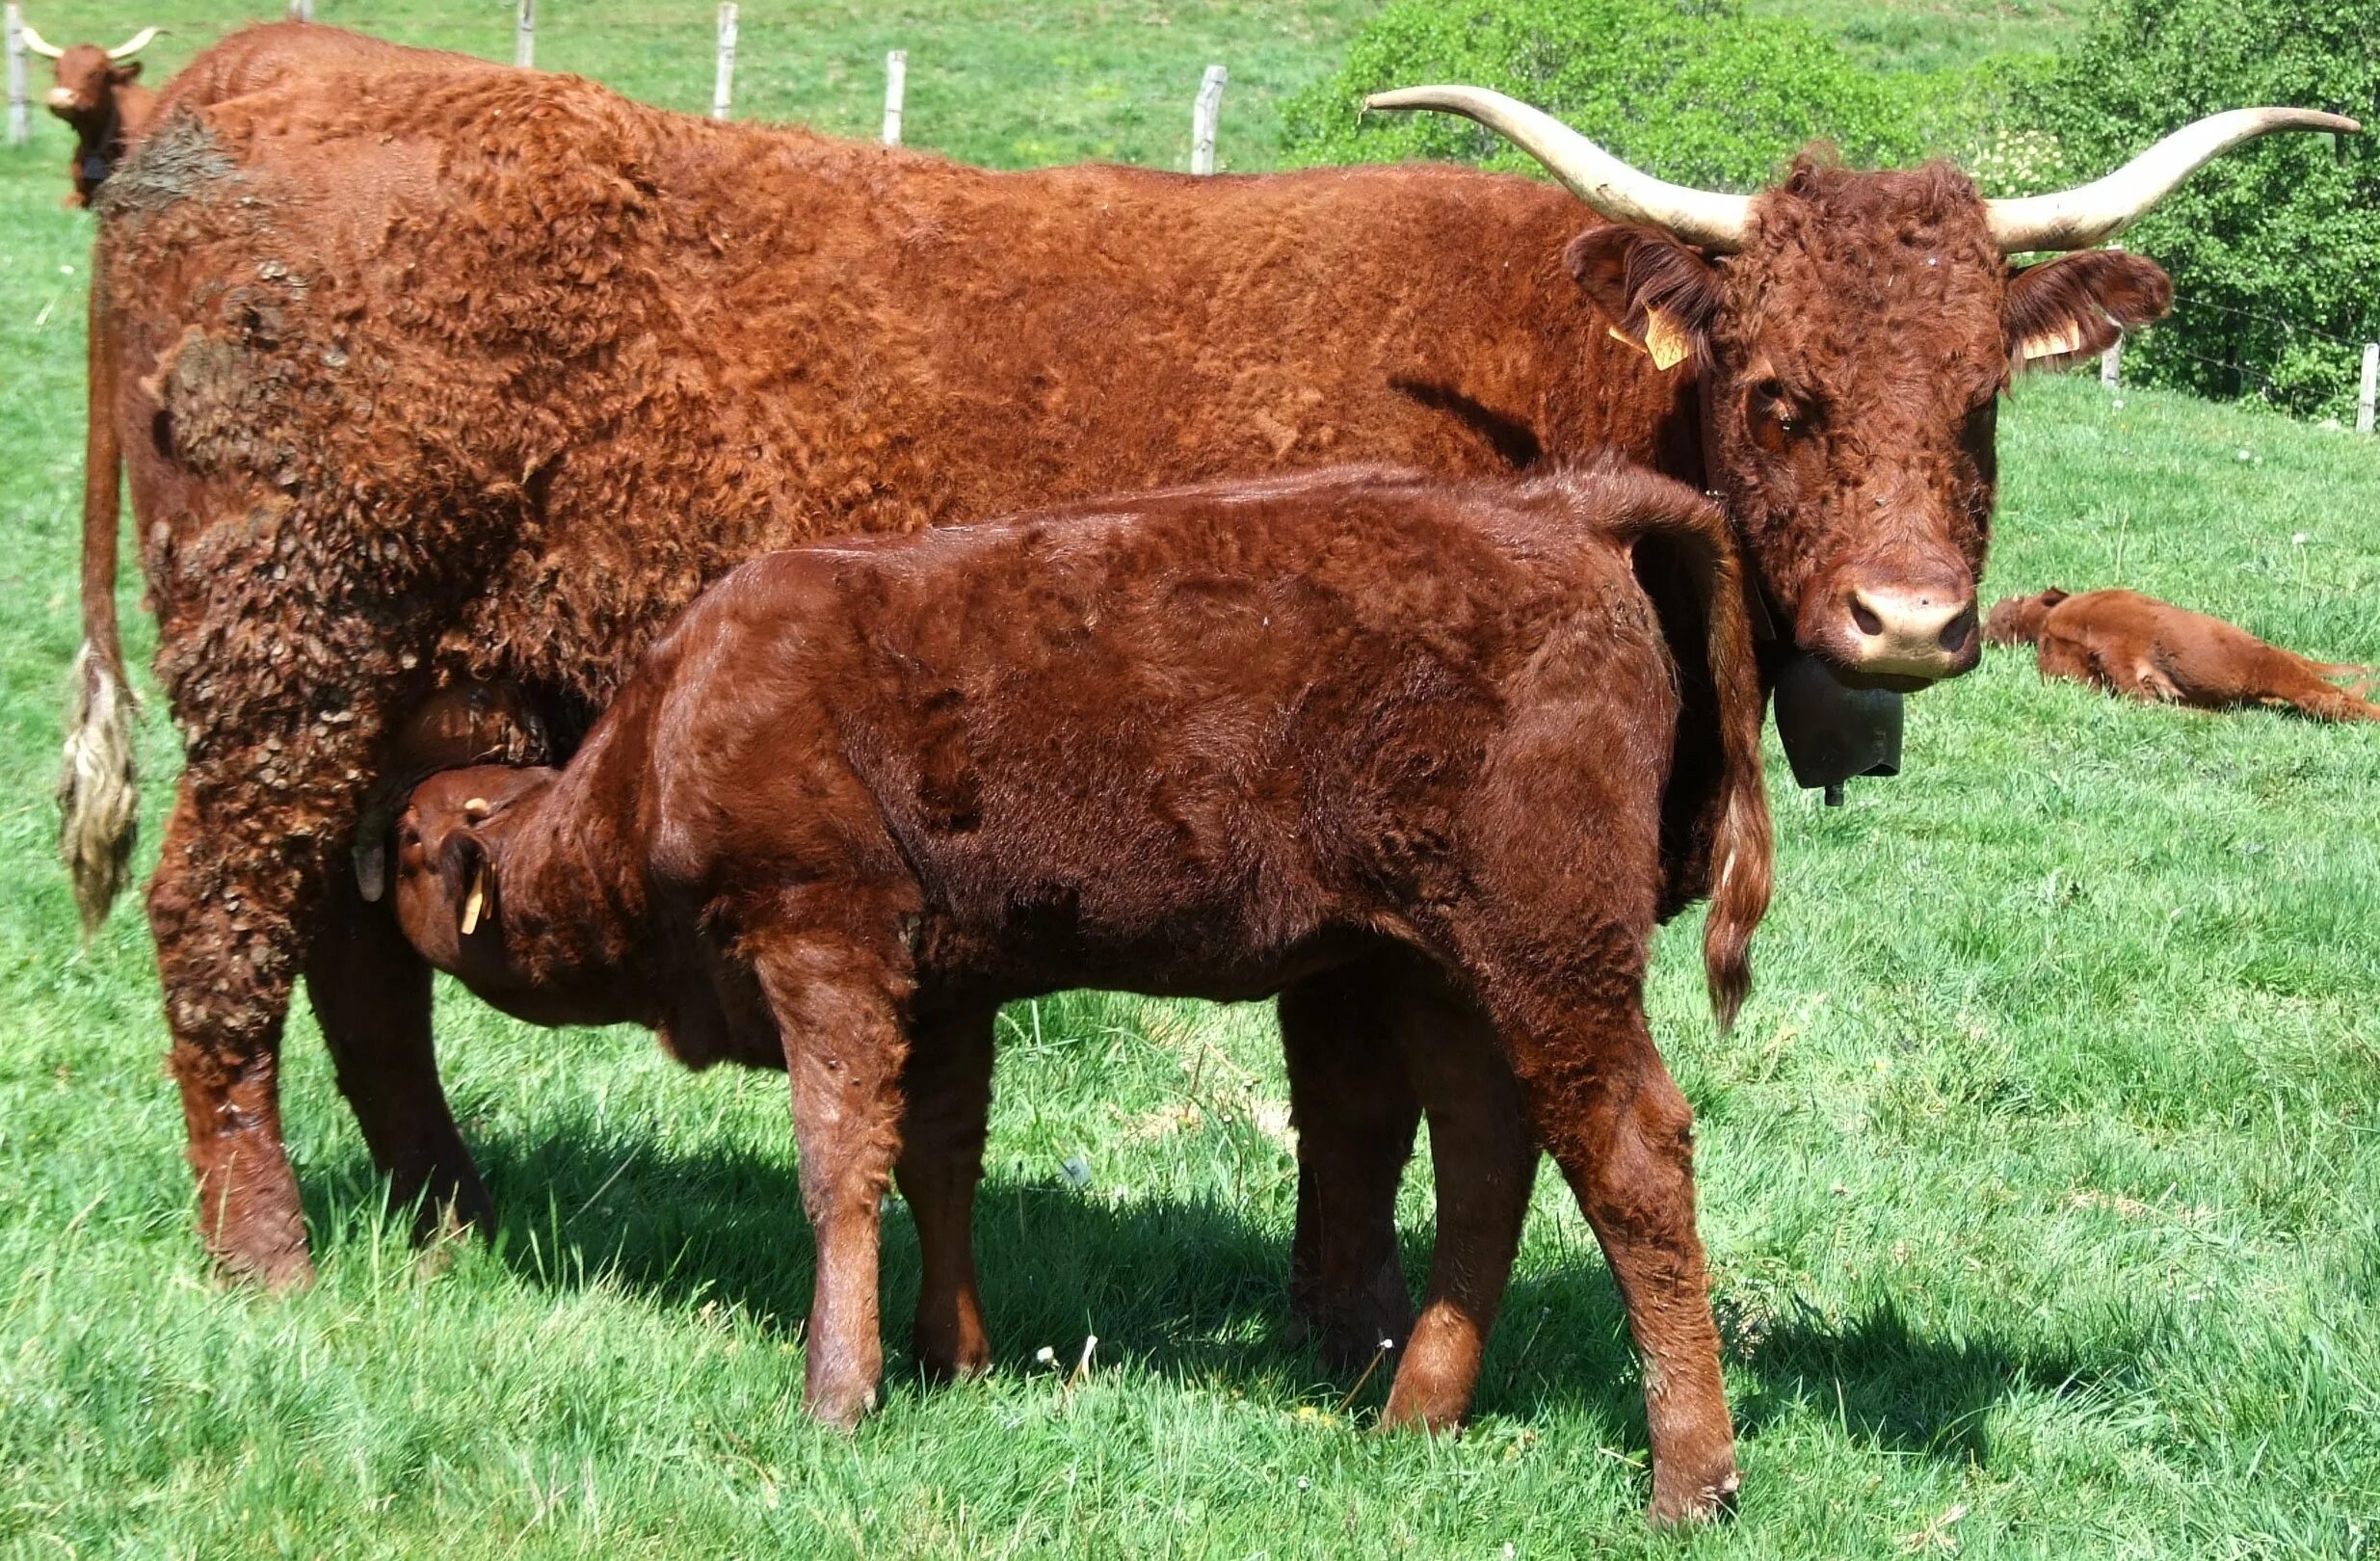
x=2054 y=343
x=477 y=898
x=1665 y=339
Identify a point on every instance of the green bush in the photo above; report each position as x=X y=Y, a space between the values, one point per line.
x=2274 y=249
x=1693 y=91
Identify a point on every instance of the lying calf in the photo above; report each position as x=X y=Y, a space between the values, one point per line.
x=1207 y=742
x=2150 y=649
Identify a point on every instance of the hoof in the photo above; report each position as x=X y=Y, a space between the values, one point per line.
x=281 y=1272
x=841 y=1406
x=1690 y=1502
x=945 y=1363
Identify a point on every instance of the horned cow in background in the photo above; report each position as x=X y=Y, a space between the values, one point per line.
x=98 y=92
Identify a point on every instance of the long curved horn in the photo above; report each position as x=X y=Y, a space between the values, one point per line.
x=36 y=43
x=1624 y=194
x=2092 y=213
x=135 y=43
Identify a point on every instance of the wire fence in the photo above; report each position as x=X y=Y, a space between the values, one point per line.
x=2239 y=375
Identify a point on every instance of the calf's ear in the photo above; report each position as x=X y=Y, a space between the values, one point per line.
x=2080 y=304
x=1658 y=295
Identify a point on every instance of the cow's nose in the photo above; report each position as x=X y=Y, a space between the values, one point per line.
x=62 y=97
x=1901 y=631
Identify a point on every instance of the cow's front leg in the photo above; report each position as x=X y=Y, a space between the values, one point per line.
x=371 y=994
x=225 y=956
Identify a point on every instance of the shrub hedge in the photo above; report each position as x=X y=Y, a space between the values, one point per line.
x=2275 y=250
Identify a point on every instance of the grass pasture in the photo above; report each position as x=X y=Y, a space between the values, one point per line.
x=2042 y=1177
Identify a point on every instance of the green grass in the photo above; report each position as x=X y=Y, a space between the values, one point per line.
x=2041 y=1179
x=1931 y=35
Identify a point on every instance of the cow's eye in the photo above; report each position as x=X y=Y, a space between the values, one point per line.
x=1777 y=414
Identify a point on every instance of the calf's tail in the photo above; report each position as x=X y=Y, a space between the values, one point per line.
x=1742 y=846
x=98 y=795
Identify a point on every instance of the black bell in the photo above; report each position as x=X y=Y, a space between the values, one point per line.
x=1832 y=731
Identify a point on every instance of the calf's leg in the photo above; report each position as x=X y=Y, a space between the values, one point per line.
x=1485 y=1161
x=947 y=1097
x=1608 y=1112
x=1354 y=1112
x=838 y=1007
x=371 y=994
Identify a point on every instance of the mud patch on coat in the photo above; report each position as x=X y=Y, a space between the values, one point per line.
x=179 y=160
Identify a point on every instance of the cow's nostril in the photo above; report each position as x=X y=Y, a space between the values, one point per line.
x=1962 y=628
x=1865 y=617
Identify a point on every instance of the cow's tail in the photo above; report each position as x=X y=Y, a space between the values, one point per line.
x=98 y=795
x=1742 y=846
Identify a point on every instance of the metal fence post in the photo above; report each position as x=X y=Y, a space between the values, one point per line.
x=896 y=86
x=20 y=112
x=1203 y=117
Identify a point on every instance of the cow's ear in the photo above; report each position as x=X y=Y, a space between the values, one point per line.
x=2054 y=596
x=1658 y=295
x=2079 y=304
x=129 y=70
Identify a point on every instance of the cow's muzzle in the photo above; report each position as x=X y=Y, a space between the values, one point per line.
x=1897 y=633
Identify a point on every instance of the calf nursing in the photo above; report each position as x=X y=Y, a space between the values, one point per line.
x=1413 y=738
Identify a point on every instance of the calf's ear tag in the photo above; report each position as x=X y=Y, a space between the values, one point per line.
x=476 y=900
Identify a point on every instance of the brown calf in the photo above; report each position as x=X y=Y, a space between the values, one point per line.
x=95 y=91
x=2148 y=649
x=1212 y=742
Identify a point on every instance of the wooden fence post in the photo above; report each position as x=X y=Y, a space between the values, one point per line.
x=722 y=84
x=524 y=36
x=301 y=10
x=1203 y=117
x=20 y=113
x=2371 y=383
x=896 y=86
x=2111 y=362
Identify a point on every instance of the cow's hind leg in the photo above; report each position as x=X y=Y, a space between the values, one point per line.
x=224 y=941
x=947 y=1096
x=371 y=994
x=1355 y=1114
x=1485 y=1161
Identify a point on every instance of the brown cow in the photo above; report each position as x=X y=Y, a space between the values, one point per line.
x=1210 y=742
x=2152 y=650
x=429 y=369
x=97 y=91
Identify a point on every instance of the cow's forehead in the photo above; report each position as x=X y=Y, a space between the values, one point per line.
x=1857 y=276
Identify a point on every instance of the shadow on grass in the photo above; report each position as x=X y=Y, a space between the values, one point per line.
x=1192 y=1289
